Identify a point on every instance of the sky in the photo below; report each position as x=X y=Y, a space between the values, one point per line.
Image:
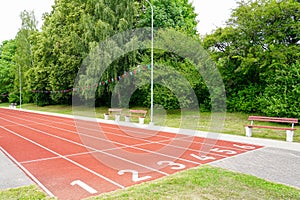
x=211 y=14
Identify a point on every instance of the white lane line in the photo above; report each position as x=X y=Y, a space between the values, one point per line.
x=79 y=144
x=28 y=173
x=63 y=157
x=56 y=157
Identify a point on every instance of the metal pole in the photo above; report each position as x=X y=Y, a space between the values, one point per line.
x=20 y=79
x=152 y=62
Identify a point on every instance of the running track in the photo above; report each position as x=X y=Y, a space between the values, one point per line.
x=74 y=159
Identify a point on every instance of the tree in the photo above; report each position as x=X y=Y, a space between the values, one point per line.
x=259 y=35
x=74 y=28
x=23 y=56
x=177 y=14
x=7 y=67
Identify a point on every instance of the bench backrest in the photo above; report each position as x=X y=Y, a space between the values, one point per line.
x=273 y=119
x=144 y=112
x=117 y=110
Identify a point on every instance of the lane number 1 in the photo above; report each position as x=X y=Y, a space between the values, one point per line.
x=84 y=186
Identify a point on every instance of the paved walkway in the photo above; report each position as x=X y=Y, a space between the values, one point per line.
x=273 y=164
x=10 y=175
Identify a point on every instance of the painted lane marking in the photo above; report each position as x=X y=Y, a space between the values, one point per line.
x=135 y=175
x=84 y=186
x=174 y=165
x=226 y=151
x=56 y=157
x=203 y=158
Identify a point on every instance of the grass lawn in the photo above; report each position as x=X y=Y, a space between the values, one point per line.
x=204 y=182
x=233 y=123
x=31 y=192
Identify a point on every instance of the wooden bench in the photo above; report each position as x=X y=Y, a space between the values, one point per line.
x=116 y=111
x=113 y=111
x=138 y=113
x=141 y=114
x=289 y=130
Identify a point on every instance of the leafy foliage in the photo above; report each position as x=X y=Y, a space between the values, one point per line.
x=7 y=68
x=259 y=35
x=282 y=95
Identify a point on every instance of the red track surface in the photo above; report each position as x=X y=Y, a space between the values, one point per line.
x=76 y=159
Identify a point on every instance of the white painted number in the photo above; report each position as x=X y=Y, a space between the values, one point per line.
x=84 y=186
x=176 y=166
x=243 y=147
x=135 y=175
x=203 y=157
x=228 y=152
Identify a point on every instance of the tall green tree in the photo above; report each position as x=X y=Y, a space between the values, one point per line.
x=177 y=14
x=73 y=28
x=23 y=56
x=259 y=35
x=7 y=67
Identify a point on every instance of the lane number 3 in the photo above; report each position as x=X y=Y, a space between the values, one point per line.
x=174 y=165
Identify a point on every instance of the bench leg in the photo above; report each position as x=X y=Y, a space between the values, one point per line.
x=141 y=120
x=106 y=116
x=289 y=135
x=117 y=118
x=127 y=118
x=248 y=131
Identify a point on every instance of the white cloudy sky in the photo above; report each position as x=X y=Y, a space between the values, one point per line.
x=212 y=14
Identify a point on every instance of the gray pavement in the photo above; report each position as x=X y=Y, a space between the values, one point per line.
x=10 y=175
x=272 y=164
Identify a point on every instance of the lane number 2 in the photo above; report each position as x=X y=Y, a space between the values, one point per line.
x=135 y=175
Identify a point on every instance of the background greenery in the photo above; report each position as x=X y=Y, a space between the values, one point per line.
x=257 y=54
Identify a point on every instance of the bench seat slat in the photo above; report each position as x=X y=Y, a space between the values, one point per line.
x=271 y=127
x=115 y=110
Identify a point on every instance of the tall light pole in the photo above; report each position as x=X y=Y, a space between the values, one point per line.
x=20 y=79
x=152 y=62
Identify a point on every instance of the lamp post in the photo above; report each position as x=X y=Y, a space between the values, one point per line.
x=152 y=62
x=20 y=79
